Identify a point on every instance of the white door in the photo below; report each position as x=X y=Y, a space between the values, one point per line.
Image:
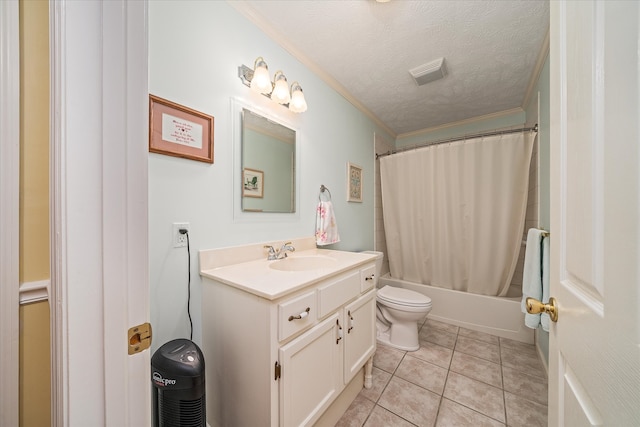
x=594 y=366
x=360 y=336
x=100 y=285
x=311 y=373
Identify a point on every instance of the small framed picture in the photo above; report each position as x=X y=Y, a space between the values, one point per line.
x=354 y=183
x=179 y=131
x=252 y=183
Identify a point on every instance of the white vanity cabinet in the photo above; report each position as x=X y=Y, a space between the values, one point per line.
x=282 y=362
x=318 y=364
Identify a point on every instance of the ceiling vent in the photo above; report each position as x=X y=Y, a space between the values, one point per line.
x=429 y=72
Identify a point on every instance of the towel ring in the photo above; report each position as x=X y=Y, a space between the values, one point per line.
x=322 y=190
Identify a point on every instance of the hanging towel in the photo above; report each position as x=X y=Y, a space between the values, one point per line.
x=532 y=276
x=326 y=227
x=544 y=317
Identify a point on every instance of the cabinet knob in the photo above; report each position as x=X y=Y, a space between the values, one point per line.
x=339 y=331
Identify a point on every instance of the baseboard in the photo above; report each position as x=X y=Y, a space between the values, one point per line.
x=339 y=406
x=541 y=356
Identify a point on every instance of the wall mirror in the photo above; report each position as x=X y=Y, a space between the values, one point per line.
x=268 y=163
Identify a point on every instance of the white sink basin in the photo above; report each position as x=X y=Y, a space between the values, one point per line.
x=303 y=263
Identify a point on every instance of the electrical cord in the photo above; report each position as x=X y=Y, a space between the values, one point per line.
x=186 y=233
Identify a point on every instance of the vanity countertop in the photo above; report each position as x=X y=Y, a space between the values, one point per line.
x=260 y=278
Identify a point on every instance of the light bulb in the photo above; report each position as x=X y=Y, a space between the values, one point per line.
x=280 y=92
x=298 y=104
x=261 y=82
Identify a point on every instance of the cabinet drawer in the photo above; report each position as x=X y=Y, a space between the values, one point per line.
x=296 y=314
x=336 y=292
x=368 y=278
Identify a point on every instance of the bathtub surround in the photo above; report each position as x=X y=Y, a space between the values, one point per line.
x=454 y=212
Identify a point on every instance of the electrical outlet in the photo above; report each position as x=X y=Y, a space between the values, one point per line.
x=179 y=240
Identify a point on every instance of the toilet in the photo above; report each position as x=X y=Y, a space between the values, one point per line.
x=398 y=313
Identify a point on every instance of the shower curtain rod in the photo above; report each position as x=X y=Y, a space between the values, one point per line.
x=534 y=128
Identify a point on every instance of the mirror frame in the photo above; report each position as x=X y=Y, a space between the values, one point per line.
x=239 y=215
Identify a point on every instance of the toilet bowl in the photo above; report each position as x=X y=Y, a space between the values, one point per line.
x=398 y=313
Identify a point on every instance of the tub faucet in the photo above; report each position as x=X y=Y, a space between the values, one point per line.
x=279 y=253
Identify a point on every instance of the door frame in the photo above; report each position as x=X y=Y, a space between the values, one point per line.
x=9 y=214
x=99 y=214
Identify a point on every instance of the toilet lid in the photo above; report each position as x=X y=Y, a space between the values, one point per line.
x=403 y=296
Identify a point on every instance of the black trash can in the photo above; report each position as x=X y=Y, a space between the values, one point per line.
x=177 y=376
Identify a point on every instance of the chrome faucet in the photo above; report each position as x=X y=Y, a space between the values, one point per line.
x=279 y=253
x=286 y=247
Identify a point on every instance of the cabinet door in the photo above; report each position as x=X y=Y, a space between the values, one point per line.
x=360 y=334
x=311 y=371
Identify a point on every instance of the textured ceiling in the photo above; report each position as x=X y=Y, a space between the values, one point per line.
x=490 y=49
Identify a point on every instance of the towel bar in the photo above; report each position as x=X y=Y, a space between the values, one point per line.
x=322 y=190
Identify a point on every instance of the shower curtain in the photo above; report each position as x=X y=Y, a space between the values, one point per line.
x=454 y=212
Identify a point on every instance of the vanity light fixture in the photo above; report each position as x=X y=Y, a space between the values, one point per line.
x=278 y=91
x=261 y=82
x=298 y=103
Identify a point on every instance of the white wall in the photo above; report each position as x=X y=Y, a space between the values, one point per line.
x=194 y=51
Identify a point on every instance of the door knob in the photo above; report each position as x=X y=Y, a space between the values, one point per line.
x=535 y=307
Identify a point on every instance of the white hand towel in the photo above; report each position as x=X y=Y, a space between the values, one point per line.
x=544 y=317
x=532 y=277
x=326 y=226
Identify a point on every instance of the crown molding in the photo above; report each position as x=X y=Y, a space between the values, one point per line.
x=475 y=119
x=248 y=12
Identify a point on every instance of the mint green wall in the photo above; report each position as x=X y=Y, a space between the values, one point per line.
x=543 y=89
x=195 y=48
x=480 y=125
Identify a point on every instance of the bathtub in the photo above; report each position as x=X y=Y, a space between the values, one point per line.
x=499 y=316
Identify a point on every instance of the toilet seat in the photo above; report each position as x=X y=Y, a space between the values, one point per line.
x=402 y=297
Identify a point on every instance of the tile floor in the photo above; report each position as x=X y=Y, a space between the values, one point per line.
x=459 y=378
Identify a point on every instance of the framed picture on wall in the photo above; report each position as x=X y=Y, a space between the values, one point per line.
x=252 y=183
x=354 y=183
x=179 y=131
